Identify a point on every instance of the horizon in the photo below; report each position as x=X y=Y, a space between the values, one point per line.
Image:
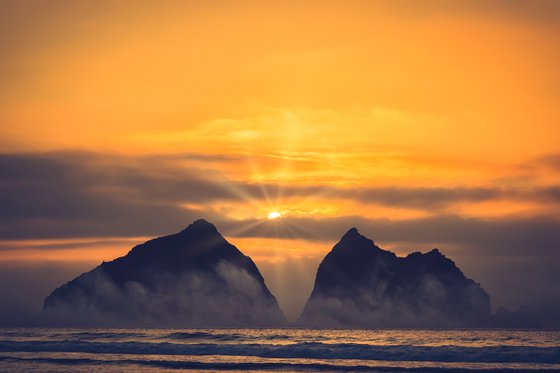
x=282 y=123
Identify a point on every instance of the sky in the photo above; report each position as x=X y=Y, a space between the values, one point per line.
x=423 y=124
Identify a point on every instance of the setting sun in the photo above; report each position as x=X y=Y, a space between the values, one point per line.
x=274 y=215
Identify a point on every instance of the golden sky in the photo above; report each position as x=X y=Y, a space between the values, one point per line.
x=380 y=114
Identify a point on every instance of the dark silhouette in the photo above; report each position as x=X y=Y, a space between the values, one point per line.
x=194 y=278
x=360 y=285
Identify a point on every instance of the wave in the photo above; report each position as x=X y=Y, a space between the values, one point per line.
x=258 y=366
x=97 y=335
x=205 y=336
x=310 y=350
x=230 y=337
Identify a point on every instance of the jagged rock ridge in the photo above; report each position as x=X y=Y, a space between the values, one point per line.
x=360 y=285
x=194 y=278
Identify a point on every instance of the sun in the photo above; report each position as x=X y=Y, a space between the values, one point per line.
x=274 y=215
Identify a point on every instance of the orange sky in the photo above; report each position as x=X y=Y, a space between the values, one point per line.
x=334 y=96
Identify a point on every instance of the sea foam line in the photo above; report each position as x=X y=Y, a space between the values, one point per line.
x=311 y=350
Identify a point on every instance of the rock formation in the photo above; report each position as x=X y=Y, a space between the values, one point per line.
x=193 y=278
x=360 y=285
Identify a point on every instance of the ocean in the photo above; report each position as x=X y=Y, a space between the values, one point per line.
x=277 y=350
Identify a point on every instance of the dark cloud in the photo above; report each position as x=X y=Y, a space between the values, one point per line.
x=435 y=198
x=426 y=198
x=432 y=198
x=75 y=194
x=522 y=236
x=11 y=245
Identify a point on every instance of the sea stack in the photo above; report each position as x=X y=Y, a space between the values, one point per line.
x=194 y=278
x=360 y=285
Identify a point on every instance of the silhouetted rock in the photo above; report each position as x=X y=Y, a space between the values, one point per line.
x=189 y=279
x=360 y=285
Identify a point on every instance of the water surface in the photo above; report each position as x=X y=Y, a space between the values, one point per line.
x=286 y=350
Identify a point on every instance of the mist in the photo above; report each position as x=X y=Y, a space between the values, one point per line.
x=194 y=299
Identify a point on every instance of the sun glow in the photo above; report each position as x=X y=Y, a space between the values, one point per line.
x=274 y=215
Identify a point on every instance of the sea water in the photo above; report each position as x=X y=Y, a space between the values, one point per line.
x=286 y=350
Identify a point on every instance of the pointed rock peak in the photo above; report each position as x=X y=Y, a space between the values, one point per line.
x=352 y=234
x=202 y=222
x=352 y=230
x=353 y=241
x=201 y=226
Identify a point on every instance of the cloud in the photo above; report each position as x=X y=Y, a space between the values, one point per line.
x=521 y=236
x=11 y=245
x=76 y=194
